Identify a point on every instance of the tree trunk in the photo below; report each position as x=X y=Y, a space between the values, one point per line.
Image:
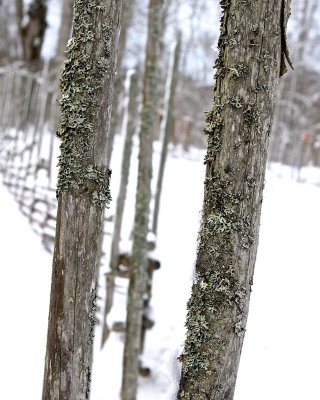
x=32 y=28
x=295 y=134
x=166 y=125
x=126 y=18
x=187 y=124
x=126 y=156
x=65 y=26
x=83 y=190
x=138 y=279
x=130 y=122
x=252 y=54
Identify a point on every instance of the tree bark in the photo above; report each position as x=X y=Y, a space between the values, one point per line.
x=166 y=125
x=83 y=190
x=138 y=279
x=252 y=48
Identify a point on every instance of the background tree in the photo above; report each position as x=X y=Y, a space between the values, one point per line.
x=138 y=279
x=130 y=123
x=166 y=124
x=10 y=47
x=32 y=26
x=83 y=190
x=126 y=18
x=65 y=26
x=295 y=126
x=252 y=52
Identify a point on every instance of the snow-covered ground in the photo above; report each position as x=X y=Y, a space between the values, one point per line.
x=281 y=350
x=24 y=301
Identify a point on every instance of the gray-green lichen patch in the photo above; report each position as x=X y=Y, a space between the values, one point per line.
x=81 y=82
x=254 y=28
x=216 y=290
x=259 y=87
x=239 y=71
x=214 y=124
x=250 y=114
x=235 y=102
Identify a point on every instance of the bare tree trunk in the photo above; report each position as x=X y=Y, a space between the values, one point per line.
x=65 y=26
x=187 y=127
x=282 y=148
x=126 y=156
x=166 y=125
x=126 y=18
x=272 y=154
x=83 y=190
x=252 y=54
x=138 y=279
x=291 y=120
x=19 y=12
x=32 y=28
x=9 y=38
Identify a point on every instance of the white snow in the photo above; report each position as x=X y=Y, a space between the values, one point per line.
x=281 y=350
x=24 y=300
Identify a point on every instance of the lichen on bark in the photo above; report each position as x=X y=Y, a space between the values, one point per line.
x=238 y=128
x=83 y=189
x=82 y=77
